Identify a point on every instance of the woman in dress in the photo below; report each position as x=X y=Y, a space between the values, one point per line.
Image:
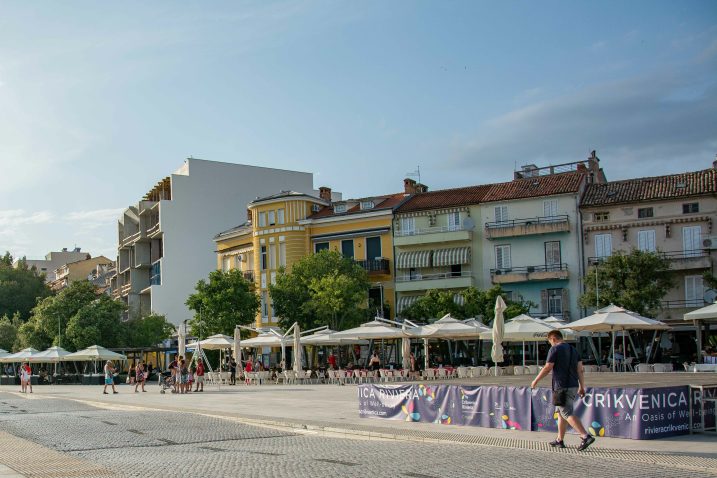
x=140 y=377
x=25 y=377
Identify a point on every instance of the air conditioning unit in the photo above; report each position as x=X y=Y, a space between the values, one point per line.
x=709 y=242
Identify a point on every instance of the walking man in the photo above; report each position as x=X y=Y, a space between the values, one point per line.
x=109 y=377
x=568 y=384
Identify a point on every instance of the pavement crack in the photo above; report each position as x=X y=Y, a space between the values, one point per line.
x=166 y=442
x=337 y=462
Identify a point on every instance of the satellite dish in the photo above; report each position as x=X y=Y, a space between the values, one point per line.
x=468 y=224
x=710 y=296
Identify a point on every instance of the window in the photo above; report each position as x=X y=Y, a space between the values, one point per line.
x=601 y=216
x=643 y=212
x=280 y=216
x=273 y=278
x=237 y=261
x=502 y=257
x=272 y=256
x=603 y=245
x=339 y=208
x=366 y=204
x=263 y=258
x=408 y=226
x=316 y=208
x=262 y=282
x=226 y=264
x=550 y=208
x=555 y=302
x=282 y=254
x=264 y=305
x=501 y=213
x=321 y=246
x=552 y=255
x=692 y=240
x=272 y=219
x=262 y=219
x=455 y=270
x=690 y=208
x=373 y=247
x=646 y=240
x=454 y=221
x=347 y=248
x=694 y=291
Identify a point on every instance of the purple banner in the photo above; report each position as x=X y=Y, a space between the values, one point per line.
x=637 y=413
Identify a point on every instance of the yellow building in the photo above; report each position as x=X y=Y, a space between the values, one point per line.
x=80 y=270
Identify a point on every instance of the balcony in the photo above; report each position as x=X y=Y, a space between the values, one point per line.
x=673 y=311
x=154 y=231
x=375 y=266
x=525 y=227
x=686 y=260
x=529 y=273
x=439 y=280
x=248 y=275
x=431 y=235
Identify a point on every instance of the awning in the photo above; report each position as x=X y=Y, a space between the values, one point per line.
x=413 y=259
x=459 y=299
x=406 y=301
x=449 y=257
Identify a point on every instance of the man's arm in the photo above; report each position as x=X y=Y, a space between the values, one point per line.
x=581 y=379
x=543 y=372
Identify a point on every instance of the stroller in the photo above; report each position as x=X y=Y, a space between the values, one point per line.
x=166 y=381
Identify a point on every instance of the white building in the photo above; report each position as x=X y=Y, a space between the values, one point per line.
x=55 y=260
x=165 y=241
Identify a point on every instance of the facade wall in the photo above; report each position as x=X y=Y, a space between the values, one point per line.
x=668 y=224
x=529 y=275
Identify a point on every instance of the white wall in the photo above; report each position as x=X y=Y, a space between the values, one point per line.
x=211 y=199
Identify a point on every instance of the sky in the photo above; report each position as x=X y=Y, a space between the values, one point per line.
x=100 y=100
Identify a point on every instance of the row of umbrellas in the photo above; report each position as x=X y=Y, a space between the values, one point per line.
x=58 y=354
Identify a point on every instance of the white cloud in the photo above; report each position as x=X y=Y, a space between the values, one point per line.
x=11 y=218
x=103 y=216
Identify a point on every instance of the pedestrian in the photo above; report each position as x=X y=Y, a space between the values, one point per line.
x=109 y=377
x=332 y=361
x=25 y=377
x=199 y=376
x=413 y=373
x=192 y=375
x=174 y=370
x=233 y=371
x=375 y=362
x=140 y=377
x=568 y=384
x=247 y=371
x=133 y=374
x=183 y=376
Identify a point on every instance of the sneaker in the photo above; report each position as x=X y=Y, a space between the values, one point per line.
x=557 y=443
x=586 y=442
x=105 y=393
x=115 y=392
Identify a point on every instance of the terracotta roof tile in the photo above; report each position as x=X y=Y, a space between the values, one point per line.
x=673 y=186
x=445 y=198
x=388 y=201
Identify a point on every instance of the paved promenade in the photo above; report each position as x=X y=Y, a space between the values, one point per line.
x=327 y=414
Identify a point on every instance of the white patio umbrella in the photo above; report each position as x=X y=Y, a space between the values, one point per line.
x=496 y=352
x=371 y=330
x=705 y=314
x=297 y=348
x=182 y=340
x=214 y=342
x=51 y=355
x=328 y=337
x=237 y=346
x=447 y=327
x=267 y=339
x=406 y=353
x=614 y=319
x=95 y=352
x=21 y=356
x=523 y=328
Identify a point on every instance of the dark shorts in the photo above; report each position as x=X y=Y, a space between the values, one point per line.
x=567 y=410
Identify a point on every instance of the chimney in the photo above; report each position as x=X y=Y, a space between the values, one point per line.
x=714 y=163
x=421 y=188
x=409 y=186
x=325 y=193
x=248 y=215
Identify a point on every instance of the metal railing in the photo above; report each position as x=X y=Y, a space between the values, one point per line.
x=374 y=265
x=670 y=255
x=430 y=230
x=530 y=221
x=683 y=304
x=530 y=269
x=433 y=276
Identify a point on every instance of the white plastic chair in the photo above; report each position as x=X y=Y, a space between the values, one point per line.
x=429 y=374
x=492 y=371
x=519 y=370
x=289 y=376
x=532 y=369
x=442 y=373
x=663 y=367
x=480 y=371
x=644 y=367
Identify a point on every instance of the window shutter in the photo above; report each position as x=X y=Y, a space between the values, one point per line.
x=565 y=303
x=544 y=300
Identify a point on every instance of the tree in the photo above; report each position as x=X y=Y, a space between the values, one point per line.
x=476 y=303
x=20 y=288
x=226 y=300
x=99 y=322
x=294 y=300
x=8 y=331
x=636 y=281
x=147 y=331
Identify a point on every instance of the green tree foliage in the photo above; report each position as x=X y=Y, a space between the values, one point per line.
x=8 y=331
x=148 y=331
x=477 y=303
x=309 y=294
x=637 y=281
x=20 y=288
x=226 y=300
x=98 y=322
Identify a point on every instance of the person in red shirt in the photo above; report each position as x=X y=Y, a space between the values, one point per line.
x=199 y=376
x=247 y=370
x=332 y=361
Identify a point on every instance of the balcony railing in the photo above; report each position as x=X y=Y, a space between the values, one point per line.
x=683 y=304
x=527 y=221
x=433 y=276
x=375 y=266
x=527 y=226
x=530 y=269
x=672 y=256
x=430 y=230
x=529 y=273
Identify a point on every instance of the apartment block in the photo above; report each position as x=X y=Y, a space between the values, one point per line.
x=78 y=271
x=165 y=240
x=55 y=260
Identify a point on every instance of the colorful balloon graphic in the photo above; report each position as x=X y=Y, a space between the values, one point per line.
x=596 y=429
